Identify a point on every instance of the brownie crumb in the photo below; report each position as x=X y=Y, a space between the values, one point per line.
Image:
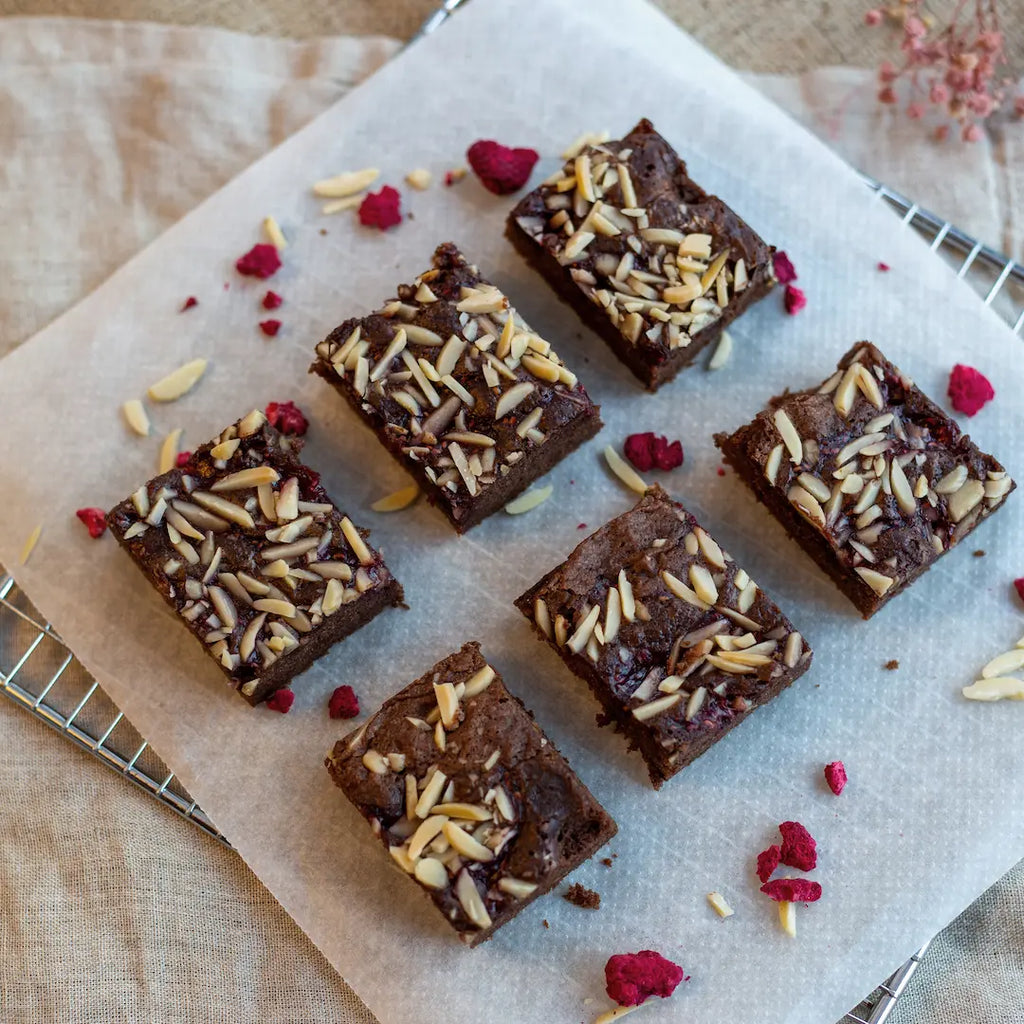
x=323 y=231
x=980 y=553
x=545 y=923
x=581 y=896
x=892 y=664
x=606 y=861
x=602 y=719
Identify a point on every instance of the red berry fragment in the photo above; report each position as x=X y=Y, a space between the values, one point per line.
x=835 y=776
x=500 y=169
x=270 y=327
x=260 y=261
x=793 y=890
x=647 y=451
x=343 y=703
x=381 y=209
x=189 y=303
x=287 y=417
x=784 y=269
x=968 y=389
x=1019 y=585
x=272 y=300
x=630 y=978
x=799 y=850
x=183 y=459
x=793 y=299
x=281 y=700
x=95 y=519
x=884 y=267
x=767 y=861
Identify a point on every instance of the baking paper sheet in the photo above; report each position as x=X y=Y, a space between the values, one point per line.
x=931 y=815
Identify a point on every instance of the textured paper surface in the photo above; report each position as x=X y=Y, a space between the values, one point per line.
x=925 y=824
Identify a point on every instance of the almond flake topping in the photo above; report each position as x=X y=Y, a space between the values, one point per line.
x=529 y=500
x=178 y=383
x=135 y=414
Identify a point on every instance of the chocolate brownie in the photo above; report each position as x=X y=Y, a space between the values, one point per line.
x=644 y=255
x=254 y=556
x=676 y=641
x=458 y=387
x=469 y=796
x=870 y=477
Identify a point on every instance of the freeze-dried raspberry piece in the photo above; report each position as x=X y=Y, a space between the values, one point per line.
x=501 y=170
x=281 y=700
x=793 y=890
x=767 y=861
x=648 y=451
x=884 y=267
x=95 y=519
x=793 y=299
x=287 y=417
x=835 y=776
x=968 y=389
x=784 y=269
x=261 y=260
x=381 y=209
x=799 y=850
x=272 y=300
x=189 y=303
x=270 y=327
x=1019 y=586
x=343 y=703
x=309 y=482
x=630 y=978
x=183 y=459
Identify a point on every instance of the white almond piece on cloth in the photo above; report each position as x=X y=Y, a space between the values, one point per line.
x=722 y=352
x=169 y=450
x=622 y=469
x=1008 y=661
x=274 y=233
x=178 y=383
x=346 y=184
x=719 y=905
x=135 y=414
x=397 y=500
x=420 y=178
x=787 y=917
x=995 y=688
x=529 y=501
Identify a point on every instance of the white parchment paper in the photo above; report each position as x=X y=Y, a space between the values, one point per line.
x=931 y=815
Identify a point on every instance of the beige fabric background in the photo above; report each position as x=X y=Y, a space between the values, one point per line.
x=110 y=908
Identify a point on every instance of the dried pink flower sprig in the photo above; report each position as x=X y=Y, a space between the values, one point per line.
x=957 y=71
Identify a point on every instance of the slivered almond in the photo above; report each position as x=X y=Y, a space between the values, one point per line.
x=250 y=423
x=469 y=899
x=995 y=688
x=33 y=539
x=787 y=917
x=431 y=795
x=478 y=682
x=612 y=615
x=420 y=179
x=356 y=542
x=879 y=583
x=178 y=383
x=722 y=352
x=789 y=434
x=337 y=205
x=529 y=500
x=346 y=184
x=275 y=607
x=771 y=468
x=465 y=844
x=397 y=500
x=224 y=508
x=274 y=233
x=512 y=398
x=629 y=476
x=626 y=596
x=719 y=905
x=583 y=632
x=135 y=414
x=656 y=707
x=1009 y=661
x=225 y=449
x=429 y=871
x=169 y=450
x=682 y=591
x=246 y=478
x=516 y=887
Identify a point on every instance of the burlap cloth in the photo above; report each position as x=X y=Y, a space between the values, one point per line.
x=111 y=909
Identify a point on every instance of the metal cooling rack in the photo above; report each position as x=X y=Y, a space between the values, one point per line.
x=40 y=674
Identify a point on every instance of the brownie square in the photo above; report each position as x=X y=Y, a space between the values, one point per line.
x=469 y=796
x=254 y=556
x=869 y=476
x=645 y=256
x=458 y=387
x=676 y=641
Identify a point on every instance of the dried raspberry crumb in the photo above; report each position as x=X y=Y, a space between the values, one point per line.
x=95 y=519
x=183 y=459
x=343 y=703
x=784 y=269
x=272 y=300
x=768 y=861
x=968 y=389
x=581 y=526
x=270 y=327
x=281 y=700
x=793 y=299
x=835 y=776
x=261 y=260
x=799 y=850
x=647 y=451
x=1019 y=586
x=884 y=267
x=721 y=472
x=381 y=209
x=630 y=978
x=286 y=417
x=309 y=482
x=189 y=303
x=793 y=890
x=501 y=170
x=454 y=176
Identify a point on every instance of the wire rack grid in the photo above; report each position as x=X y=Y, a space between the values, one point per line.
x=40 y=674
